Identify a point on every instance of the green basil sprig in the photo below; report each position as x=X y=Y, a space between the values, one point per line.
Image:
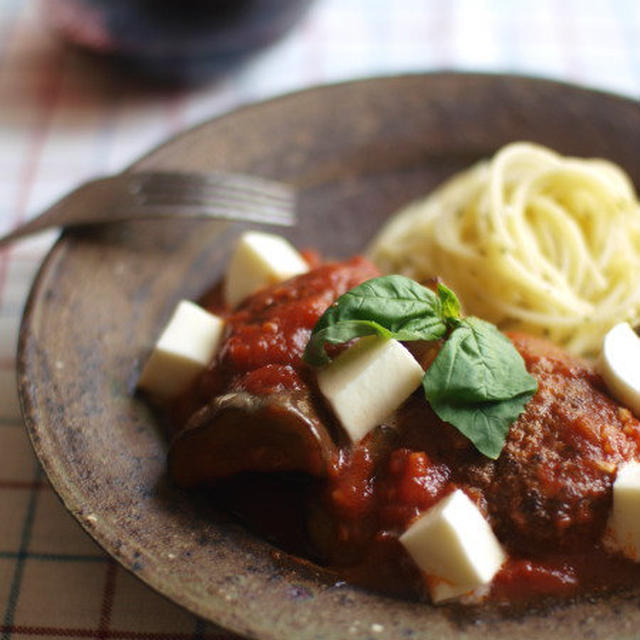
x=477 y=382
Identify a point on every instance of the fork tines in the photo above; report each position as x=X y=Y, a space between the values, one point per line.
x=215 y=194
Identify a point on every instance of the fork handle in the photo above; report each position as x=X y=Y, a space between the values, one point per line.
x=70 y=210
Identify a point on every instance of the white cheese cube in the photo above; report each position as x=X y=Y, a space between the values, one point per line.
x=184 y=349
x=624 y=521
x=619 y=365
x=366 y=383
x=455 y=546
x=441 y=591
x=260 y=259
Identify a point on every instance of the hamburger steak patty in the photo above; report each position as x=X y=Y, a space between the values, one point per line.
x=552 y=484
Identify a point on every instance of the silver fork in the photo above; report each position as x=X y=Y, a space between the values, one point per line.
x=162 y=194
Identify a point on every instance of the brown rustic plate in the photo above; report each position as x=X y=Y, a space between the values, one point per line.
x=357 y=151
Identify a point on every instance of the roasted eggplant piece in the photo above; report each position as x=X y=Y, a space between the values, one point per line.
x=240 y=431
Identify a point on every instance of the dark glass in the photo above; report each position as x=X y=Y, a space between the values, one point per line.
x=175 y=40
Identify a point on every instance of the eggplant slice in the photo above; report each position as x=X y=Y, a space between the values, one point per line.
x=240 y=431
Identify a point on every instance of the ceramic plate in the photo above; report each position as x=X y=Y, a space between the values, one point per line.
x=357 y=152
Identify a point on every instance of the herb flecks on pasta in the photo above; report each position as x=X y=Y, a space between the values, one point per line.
x=531 y=241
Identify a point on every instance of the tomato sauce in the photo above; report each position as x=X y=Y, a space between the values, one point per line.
x=547 y=497
x=267 y=334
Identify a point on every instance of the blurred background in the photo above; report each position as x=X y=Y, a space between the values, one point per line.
x=87 y=87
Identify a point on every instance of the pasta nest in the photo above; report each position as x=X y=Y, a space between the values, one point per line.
x=529 y=240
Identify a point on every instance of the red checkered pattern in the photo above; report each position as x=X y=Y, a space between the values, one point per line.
x=63 y=120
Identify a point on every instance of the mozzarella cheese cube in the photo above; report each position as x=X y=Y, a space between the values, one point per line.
x=455 y=546
x=260 y=259
x=366 y=383
x=442 y=591
x=624 y=521
x=184 y=349
x=619 y=365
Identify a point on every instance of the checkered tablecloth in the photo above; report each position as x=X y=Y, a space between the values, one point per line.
x=63 y=119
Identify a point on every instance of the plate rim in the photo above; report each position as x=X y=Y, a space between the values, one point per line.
x=58 y=482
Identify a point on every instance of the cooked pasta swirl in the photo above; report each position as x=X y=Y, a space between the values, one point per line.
x=529 y=240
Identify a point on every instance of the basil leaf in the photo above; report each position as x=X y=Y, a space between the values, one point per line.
x=479 y=384
x=450 y=303
x=477 y=364
x=486 y=424
x=399 y=306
